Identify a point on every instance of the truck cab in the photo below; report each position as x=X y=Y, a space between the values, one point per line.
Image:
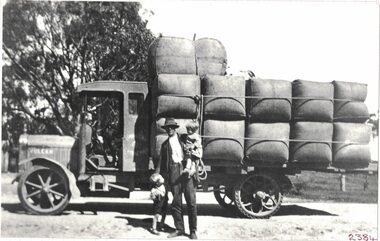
x=108 y=157
x=114 y=126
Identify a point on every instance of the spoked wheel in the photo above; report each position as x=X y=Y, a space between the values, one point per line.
x=258 y=196
x=224 y=196
x=43 y=191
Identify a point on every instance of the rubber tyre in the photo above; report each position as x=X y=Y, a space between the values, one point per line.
x=39 y=204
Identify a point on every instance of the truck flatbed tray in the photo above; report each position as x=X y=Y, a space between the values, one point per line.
x=371 y=169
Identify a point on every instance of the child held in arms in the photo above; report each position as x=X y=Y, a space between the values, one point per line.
x=193 y=150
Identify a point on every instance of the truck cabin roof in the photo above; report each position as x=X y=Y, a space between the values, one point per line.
x=113 y=86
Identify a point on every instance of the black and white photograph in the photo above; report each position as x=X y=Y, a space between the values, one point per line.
x=177 y=120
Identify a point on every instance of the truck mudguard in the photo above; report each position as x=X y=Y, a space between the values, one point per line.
x=47 y=162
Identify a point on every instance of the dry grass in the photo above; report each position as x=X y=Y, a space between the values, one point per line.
x=360 y=188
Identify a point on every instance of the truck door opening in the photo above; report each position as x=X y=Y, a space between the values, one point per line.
x=103 y=113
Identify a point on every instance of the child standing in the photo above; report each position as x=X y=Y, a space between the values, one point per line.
x=193 y=150
x=159 y=195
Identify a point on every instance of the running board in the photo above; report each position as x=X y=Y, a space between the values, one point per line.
x=99 y=183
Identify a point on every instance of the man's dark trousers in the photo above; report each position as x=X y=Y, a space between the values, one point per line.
x=181 y=184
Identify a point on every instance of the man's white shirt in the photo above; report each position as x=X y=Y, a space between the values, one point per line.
x=177 y=152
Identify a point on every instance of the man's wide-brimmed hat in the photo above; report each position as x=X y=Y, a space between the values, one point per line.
x=170 y=122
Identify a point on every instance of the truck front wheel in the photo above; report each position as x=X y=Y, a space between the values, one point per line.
x=43 y=190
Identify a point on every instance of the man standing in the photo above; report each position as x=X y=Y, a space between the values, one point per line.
x=170 y=166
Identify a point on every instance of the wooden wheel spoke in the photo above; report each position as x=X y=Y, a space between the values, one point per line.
x=50 y=197
x=57 y=193
x=55 y=184
x=33 y=184
x=48 y=180
x=247 y=204
x=33 y=194
x=41 y=180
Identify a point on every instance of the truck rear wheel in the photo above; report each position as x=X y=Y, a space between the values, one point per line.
x=43 y=190
x=258 y=196
x=224 y=196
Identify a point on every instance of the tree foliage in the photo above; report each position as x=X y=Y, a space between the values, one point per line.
x=51 y=47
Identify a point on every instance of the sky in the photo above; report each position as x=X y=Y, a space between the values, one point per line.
x=310 y=40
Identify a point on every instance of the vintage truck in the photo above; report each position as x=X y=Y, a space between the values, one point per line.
x=56 y=168
x=247 y=135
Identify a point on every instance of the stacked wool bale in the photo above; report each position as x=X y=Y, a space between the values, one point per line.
x=174 y=85
x=224 y=118
x=171 y=55
x=211 y=57
x=312 y=127
x=351 y=135
x=223 y=106
x=268 y=128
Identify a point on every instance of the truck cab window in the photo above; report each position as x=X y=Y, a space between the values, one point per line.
x=135 y=101
x=104 y=115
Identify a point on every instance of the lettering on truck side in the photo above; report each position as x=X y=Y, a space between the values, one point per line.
x=43 y=151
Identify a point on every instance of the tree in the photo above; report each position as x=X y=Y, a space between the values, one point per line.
x=51 y=47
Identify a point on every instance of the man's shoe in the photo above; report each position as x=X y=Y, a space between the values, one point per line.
x=193 y=235
x=154 y=231
x=176 y=234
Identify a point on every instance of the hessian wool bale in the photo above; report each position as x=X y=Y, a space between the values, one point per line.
x=313 y=101
x=171 y=55
x=311 y=143
x=349 y=103
x=350 y=111
x=276 y=106
x=174 y=96
x=227 y=146
x=350 y=90
x=211 y=57
x=224 y=97
x=354 y=151
x=269 y=144
x=173 y=106
x=189 y=85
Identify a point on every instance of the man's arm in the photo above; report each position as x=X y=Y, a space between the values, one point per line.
x=162 y=153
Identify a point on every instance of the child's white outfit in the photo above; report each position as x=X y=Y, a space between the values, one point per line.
x=158 y=192
x=193 y=151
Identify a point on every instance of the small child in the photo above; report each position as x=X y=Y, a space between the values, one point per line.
x=159 y=196
x=193 y=149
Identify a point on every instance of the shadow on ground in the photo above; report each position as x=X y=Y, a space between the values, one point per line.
x=145 y=223
x=289 y=210
x=91 y=208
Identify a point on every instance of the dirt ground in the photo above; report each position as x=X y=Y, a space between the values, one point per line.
x=130 y=219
